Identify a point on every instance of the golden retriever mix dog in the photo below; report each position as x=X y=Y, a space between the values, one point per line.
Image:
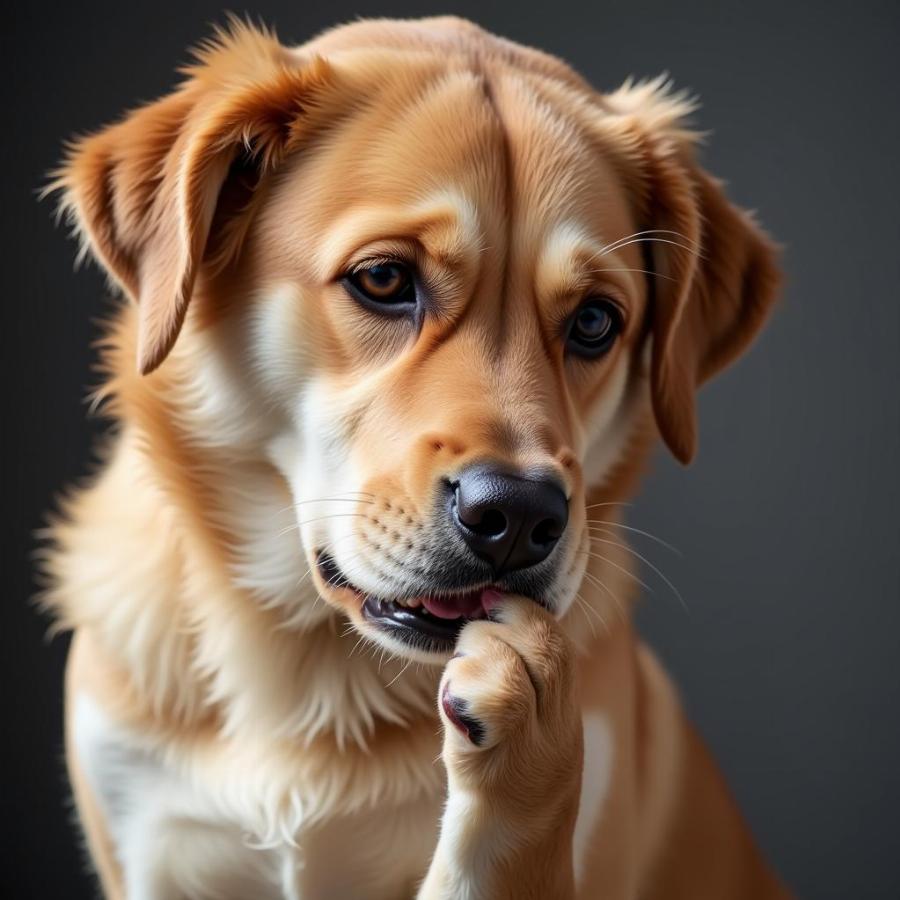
x=409 y=305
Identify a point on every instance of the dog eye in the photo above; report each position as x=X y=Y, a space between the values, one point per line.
x=594 y=327
x=388 y=286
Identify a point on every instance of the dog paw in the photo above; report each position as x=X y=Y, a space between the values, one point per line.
x=507 y=697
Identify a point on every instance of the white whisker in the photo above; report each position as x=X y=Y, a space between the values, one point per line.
x=646 y=232
x=399 y=674
x=298 y=525
x=341 y=498
x=595 y=580
x=641 y=271
x=587 y=608
x=654 y=240
x=592 y=522
x=582 y=605
x=621 y=568
x=646 y=562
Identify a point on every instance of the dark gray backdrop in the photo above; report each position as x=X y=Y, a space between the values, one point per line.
x=787 y=520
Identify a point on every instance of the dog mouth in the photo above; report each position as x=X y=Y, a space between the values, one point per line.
x=428 y=621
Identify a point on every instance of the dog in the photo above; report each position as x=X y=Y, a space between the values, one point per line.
x=408 y=307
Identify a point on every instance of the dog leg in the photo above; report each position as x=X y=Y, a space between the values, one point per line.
x=513 y=753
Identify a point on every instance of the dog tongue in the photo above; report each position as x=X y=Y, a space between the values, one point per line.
x=462 y=605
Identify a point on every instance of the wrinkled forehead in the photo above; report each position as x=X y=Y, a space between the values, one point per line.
x=559 y=175
x=464 y=163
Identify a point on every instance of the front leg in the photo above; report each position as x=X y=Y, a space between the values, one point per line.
x=513 y=753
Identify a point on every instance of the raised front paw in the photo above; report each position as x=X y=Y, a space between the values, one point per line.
x=507 y=699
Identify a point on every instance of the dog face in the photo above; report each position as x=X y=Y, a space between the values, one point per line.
x=466 y=346
x=440 y=288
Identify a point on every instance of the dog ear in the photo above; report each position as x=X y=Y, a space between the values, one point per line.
x=717 y=270
x=142 y=193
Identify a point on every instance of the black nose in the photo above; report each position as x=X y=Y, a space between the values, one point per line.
x=508 y=521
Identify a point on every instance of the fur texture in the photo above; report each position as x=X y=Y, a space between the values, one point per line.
x=236 y=726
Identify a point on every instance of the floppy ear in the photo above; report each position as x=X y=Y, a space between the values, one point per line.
x=143 y=193
x=718 y=270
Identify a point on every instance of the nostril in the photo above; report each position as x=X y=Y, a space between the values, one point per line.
x=492 y=524
x=546 y=532
x=478 y=518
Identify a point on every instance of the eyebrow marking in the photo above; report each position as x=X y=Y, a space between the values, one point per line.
x=561 y=264
x=445 y=222
x=463 y=240
x=570 y=257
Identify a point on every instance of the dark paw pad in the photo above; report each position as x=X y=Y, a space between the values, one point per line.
x=457 y=711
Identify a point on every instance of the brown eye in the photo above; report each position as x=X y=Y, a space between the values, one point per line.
x=382 y=281
x=385 y=285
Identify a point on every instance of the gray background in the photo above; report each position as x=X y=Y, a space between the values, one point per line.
x=787 y=520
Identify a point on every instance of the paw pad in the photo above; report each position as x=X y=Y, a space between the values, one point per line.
x=457 y=711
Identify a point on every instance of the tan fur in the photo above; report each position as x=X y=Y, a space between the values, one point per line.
x=268 y=417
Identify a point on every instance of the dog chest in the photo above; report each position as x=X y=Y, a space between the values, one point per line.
x=207 y=829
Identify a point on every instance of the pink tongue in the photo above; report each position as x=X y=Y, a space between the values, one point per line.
x=466 y=605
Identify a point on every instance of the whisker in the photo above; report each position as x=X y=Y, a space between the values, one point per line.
x=582 y=606
x=348 y=497
x=609 y=503
x=353 y=650
x=648 y=231
x=621 y=568
x=592 y=522
x=341 y=498
x=296 y=526
x=680 y=234
x=595 y=580
x=335 y=500
x=653 y=240
x=646 y=562
x=641 y=271
x=401 y=672
x=590 y=609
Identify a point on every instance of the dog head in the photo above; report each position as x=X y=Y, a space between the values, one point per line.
x=438 y=281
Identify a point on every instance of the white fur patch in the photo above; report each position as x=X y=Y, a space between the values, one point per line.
x=468 y=853
x=610 y=425
x=231 y=823
x=169 y=839
x=596 y=778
